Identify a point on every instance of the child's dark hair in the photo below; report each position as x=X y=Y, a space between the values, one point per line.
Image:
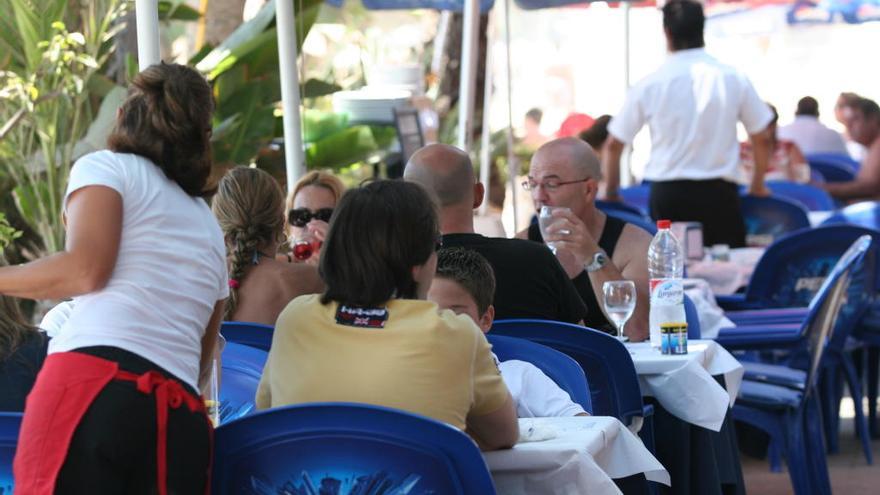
x=470 y=270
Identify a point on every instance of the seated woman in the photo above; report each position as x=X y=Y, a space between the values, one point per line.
x=249 y=206
x=309 y=207
x=22 y=352
x=372 y=338
x=786 y=163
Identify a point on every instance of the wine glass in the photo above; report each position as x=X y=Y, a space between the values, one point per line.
x=545 y=219
x=305 y=246
x=620 y=301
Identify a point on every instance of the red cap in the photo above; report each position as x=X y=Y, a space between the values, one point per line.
x=664 y=224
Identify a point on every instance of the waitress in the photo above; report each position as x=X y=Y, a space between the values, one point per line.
x=116 y=407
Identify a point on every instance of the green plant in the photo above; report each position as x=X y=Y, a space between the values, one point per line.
x=45 y=102
x=7 y=233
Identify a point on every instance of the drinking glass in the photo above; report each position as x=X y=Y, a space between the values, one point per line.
x=212 y=401
x=620 y=301
x=305 y=246
x=545 y=219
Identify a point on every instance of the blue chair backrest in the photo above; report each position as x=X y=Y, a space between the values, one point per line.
x=614 y=384
x=609 y=206
x=865 y=214
x=833 y=171
x=242 y=367
x=825 y=309
x=252 y=334
x=637 y=196
x=10 y=423
x=692 y=318
x=345 y=448
x=812 y=197
x=845 y=160
x=563 y=370
x=769 y=218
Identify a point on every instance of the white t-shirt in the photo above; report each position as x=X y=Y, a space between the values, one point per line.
x=535 y=394
x=170 y=272
x=691 y=105
x=811 y=136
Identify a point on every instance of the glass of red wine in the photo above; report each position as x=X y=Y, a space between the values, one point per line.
x=305 y=246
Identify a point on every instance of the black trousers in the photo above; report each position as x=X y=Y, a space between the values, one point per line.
x=714 y=203
x=113 y=450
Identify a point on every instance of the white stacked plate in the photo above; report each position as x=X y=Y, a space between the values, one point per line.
x=370 y=104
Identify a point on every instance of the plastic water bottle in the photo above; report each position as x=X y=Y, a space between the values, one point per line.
x=665 y=269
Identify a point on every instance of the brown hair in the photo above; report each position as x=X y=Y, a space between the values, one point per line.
x=471 y=271
x=249 y=208
x=394 y=226
x=14 y=329
x=317 y=178
x=167 y=119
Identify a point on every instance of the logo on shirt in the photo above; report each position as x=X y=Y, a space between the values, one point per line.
x=361 y=317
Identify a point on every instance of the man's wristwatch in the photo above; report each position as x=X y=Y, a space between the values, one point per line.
x=600 y=259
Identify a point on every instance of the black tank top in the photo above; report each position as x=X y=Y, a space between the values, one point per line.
x=607 y=241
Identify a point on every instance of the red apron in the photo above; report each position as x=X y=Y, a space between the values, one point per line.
x=65 y=388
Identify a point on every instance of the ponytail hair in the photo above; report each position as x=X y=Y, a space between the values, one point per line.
x=249 y=207
x=167 y=119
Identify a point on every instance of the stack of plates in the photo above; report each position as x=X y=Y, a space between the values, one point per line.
x=370 y=104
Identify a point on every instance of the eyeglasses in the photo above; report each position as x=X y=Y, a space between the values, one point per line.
x=549 y=185
x=300 y=217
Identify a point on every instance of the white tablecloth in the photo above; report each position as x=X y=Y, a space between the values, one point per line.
x=583 y=456
x=684 y=385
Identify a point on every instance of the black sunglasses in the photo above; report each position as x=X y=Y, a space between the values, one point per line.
x=300 y=217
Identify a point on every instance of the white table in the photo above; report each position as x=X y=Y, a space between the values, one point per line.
x=726 y=277
x=583 y=456
x=684 y=384
x=711 y=316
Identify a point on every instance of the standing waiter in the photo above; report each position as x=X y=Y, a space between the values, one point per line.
x=692 y=104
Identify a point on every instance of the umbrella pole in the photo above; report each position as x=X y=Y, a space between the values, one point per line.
x=468 y=79
x=147 y=19
x=485 y=148
x=512 y=165
x=290 y=98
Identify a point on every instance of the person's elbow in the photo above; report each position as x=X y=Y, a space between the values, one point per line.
x=496 y=430
x=91 y=274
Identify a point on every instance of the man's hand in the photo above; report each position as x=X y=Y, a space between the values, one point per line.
x=574 y=243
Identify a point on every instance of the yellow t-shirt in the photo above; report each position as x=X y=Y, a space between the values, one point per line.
x=424 y=360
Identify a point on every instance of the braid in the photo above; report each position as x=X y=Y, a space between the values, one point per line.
x=243 y=248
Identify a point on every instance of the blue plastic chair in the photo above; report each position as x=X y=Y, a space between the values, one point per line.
x=563 y=370
x=246 y=333
x=769 y=218
x=614 y=384
x=841 y=159
x=692 y=318
x=754 y=333
x=645 y=223
x=610 y=206
x=791 y=417
x=867 y=214
x=10 y=423
x=638 y=196
x=832 y=171
x=242 y=367
x=317 y=448
x=812 y=197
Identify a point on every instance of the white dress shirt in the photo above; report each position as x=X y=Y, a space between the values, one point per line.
x=535 y=394
x=812 y=136
x=691 y=105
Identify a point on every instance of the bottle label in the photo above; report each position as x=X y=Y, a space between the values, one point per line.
x=666 y=292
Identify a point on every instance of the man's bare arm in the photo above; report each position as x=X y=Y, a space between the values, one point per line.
x=611 y=152
x=761 y=152
x=867 y=183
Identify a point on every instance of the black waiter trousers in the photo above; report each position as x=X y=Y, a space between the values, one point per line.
x=713 y=202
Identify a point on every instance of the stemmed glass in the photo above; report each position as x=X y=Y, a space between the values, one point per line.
x=545 y=219
x=620 y=301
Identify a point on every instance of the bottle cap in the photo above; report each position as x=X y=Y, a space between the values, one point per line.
x=664 y=224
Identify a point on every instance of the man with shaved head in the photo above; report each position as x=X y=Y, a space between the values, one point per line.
x=592 y=247
x=530 y=283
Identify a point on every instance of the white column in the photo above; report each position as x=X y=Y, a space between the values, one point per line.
x=147 y=18
x=468 y=76
x=294 y=157
x=486 y=143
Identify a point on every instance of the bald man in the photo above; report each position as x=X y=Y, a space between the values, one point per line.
x=592 y=247
x=530 y=282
